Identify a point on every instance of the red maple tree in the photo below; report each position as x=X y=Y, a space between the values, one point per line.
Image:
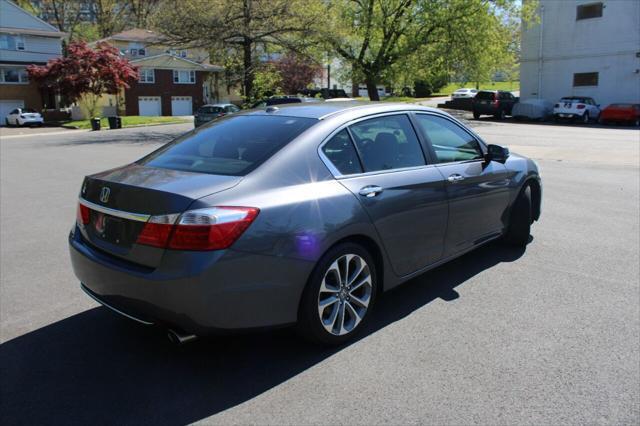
x=297 y=72
x=86 y=72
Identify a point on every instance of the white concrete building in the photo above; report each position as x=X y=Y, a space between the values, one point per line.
x=583 y=48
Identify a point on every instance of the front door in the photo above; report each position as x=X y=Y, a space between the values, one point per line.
x=478 y=191
x=405 y=198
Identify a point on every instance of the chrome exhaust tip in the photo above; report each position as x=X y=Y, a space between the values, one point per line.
x=178 y=338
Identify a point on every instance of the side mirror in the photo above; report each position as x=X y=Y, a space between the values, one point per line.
x=497 y=153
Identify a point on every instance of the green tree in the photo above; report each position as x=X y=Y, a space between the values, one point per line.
x=374 y=35
x=242 y=30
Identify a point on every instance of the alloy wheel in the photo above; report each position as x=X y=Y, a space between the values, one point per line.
x=345 y=294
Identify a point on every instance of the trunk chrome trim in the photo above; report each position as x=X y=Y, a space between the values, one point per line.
x=139 y=217
x=106 y=305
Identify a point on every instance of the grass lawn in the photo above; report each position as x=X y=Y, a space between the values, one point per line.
x=497 y=85
x=128 y=121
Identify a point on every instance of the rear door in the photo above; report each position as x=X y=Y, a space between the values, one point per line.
x=404 y=197
x=477 y=191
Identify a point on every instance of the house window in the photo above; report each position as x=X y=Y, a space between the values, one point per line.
x=585 y=79
x=147 y=75
x=184 y=77
x=588 y=11
x=13 y=76
x=181 y=52
x=11 y=42
x=137 y=49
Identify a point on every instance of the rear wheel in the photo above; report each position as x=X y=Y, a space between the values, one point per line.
x=476 y=115
x=637 y=122
x=500 y=115
x=520 y=220
x=585 y=118
x=339 y=295
x=6 y=120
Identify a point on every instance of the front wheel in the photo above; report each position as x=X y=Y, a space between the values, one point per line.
x=585 y=118
x=520 y=220
x=339 y=295
x=500 y=115
x=476 y=115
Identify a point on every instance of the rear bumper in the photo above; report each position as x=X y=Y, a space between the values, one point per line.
x=485 y=109
x=197 y=292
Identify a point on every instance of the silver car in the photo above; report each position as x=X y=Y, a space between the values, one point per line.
x=294 y=215
x=209 y=112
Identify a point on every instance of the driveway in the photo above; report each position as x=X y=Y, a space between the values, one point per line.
x=500 y=336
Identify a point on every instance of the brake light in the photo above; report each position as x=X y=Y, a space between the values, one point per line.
x=82 y=214
x=213 y=228
x=580 y=106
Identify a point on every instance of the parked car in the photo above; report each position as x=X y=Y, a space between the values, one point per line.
x=464 y=93
x=324 y=93
x=576 y=108
x=532 y=109
x=24 y=117
x=621 y=113
x=493 y=102
x=281 y=100
x=301 y=215
x=209 y=112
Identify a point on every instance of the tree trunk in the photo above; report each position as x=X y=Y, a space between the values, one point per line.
x=372 y=89
x=355 y=88
x=247 y=80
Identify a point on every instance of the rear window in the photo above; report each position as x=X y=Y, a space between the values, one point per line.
x=232 y=146
x=485 y=95
x=210 y=110
x=29 y=110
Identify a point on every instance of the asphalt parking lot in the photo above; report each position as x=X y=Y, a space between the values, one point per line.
x=549 y=335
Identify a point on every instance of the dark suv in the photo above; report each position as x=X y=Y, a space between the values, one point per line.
x=493 y=102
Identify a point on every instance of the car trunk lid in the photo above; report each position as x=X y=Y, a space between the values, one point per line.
x=120 y=201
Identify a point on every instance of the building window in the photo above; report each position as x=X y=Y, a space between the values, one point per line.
x=184 y=77
x=14 y=76
x=147 y=75
x=11 y=42
x=181 y=52
x=588 y=11
x=137 y=49
x=585 y=79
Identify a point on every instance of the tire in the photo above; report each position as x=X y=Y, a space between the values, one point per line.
x=6 y=120
x=476 y=115
x=585 y=118
x=637 y=122
x=337 y=321
x=520 y=220
x=500 y=115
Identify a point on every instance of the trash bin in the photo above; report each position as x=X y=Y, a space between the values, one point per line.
x=95 y=124
x=115 y=122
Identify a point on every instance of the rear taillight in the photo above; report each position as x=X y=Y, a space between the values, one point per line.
x=82 y=216
x=213 y=228
x=496 y=101
x=580 y=106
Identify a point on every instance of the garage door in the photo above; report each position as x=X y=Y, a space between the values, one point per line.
x=7 y=106
x=181 y=105
x=149 y=105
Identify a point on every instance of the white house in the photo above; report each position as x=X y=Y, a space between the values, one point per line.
x=24 y=40
x=583 y=48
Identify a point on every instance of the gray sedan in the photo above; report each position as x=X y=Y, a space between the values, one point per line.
x=210 y=112
x=294 y=215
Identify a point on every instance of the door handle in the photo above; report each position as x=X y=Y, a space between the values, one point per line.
x=455 y=178
x=370 y=191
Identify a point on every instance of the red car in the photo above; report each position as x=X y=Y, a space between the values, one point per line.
x=619 y=113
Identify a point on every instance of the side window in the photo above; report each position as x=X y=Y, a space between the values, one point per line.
x=340 y=151
x=387 y=143
x=449 y=141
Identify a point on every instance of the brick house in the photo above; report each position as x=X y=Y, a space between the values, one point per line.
x=172 y=81
x=24 y=40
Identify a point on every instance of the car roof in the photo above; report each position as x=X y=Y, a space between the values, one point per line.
x=215 y=105
x=322 y=110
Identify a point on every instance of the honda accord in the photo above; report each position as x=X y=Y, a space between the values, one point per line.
x=294 y=215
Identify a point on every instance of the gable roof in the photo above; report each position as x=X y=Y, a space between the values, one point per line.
x=169 y=61
x=15 y=20
x=136 y=34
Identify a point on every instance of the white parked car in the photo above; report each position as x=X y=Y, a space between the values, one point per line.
x=532 y=109
x=464 y=93
x=576 y=108
x=24 y=117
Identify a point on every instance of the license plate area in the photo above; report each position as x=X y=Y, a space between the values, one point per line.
x=114 y=230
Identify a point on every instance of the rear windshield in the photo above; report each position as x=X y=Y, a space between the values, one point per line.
x=485 y=95
x=231 y=146
x=210 y=110
x=574 y=99
x=29 y=110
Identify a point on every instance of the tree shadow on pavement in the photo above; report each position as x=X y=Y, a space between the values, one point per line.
x=96 y=368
